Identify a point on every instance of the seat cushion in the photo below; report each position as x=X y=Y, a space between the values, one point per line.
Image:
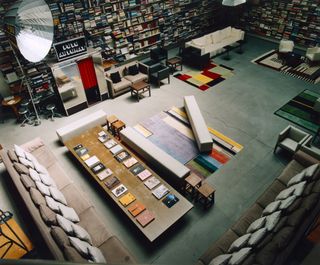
x=124 y=83
x=289 y=144
x=292 y=169
x=269 y=195
x=72 y=254
x=136 y=78
x=59 y=176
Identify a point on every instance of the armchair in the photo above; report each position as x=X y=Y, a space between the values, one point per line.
x=310 y=149
x=158 y=72
x=285 y=47
x=158 y=54
x=291 y=139
x=313 y=55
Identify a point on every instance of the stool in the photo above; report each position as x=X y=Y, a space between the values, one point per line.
x=51 y=108
x=205 y=195
x=191 y=184
x=117 y=126
x=24 y=112
x=111 y=119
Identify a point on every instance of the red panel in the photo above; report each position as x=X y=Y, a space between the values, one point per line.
x=87 y=73
x=222 y=158
x=211 y=75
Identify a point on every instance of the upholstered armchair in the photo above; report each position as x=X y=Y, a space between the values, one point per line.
x=285 y=47
x=158 y=72
x=313 y=55
x=291 y=139
x=309 y=148
x=158 y=54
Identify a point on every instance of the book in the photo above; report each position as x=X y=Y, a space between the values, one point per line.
x=160 y=191
x=98 y=168
x=82 y=151
x=130 y=162
x=125 y=200
x=112 y=182
x=122 y=156
x=92 y=161
x=85 y=157
x=118 y=191
x=102 y=136
x=145 y=218
x=136 y=208
x=151 y=182
x=137 y=169
x=170 y=200
x=109 y=144
x=116 y=149
x=104 y=174
x=144 y=174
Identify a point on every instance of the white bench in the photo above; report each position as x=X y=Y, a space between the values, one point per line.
x=75 y=128
x=154 y=155
x=199 y=127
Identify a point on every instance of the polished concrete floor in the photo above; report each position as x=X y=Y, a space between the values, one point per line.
x=241 y=107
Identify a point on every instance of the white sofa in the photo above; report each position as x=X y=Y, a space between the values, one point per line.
x=214 y=42
x=72 y=129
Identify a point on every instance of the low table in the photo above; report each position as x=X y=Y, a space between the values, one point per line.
x=13 y=104
x=173 y=63
x=139 y=88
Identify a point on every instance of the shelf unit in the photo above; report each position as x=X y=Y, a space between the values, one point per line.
x=298 y=20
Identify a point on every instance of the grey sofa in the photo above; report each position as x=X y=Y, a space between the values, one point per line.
x=99 y=230
x=276 y=245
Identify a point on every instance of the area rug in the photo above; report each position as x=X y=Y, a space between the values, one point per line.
x=299 y=110
x=170 y=130
x=210 y=76
x=301 y=70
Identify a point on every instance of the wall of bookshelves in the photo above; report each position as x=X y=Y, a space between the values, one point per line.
x=298 y=20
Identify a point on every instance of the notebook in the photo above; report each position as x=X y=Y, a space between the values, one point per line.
x=125 y=200
x=136 y=208
x=145 y=218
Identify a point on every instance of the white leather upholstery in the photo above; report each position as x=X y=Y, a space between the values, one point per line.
x=72 y=129
x=313 y=54
x=286 y=46
x=199 y=127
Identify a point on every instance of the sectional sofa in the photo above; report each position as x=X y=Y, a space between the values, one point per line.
x=269 y=230
x=75 y=226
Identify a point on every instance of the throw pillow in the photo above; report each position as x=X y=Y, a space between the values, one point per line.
x=60 y=236
x=257 y=236
x=72 y=254
x=284 y=194
x=57 y=195
x=257 y=224
x=19 y=151
x=239 y=256
x=65 y=224
x=47 y=215
x=133 y=70
x=271 y=207
x=309 y=171
x=81 y=233
x=26 y=162
x=115 y=77
x=30 y=157
x=12 y=156
x=296 y=179
x=52 y=204
x=221 y=259
x=287 y=202
x=27 y=182
x=44 y=189
x=21 y=169
x=272 y=220
x=34 y=174
x=37 y=197
x=299 y=188
x=96 y=255
x=81 y=246
x=239 y=243
x=47 y=180
x=40 y=168
x=69 y=213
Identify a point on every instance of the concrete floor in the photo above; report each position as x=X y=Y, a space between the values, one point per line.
x=241 y=107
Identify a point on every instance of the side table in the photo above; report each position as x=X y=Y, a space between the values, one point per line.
x=13 y=104
x=111 y=119
x=173 y=63
x=139 y=88
x=191 y=184
x=117 y=127
x=205 y=195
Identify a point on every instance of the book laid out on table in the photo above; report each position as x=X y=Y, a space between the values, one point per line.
x=137 y=169
x=170 y=200
x=85 y=157
x=92 y=161
x=122 y=156
x=77 y=147
x=136 y=208
x=161 y=191
x=125 y=200
x=112 y=182
x=109 y=144
x=144 y=174
x=116 y=149
x=104 y=174
x=102 y=136
x=151 y=182
x=130 y=162
x=118 y=191
x=98 y=168
x=82 y=151
x=145 y=218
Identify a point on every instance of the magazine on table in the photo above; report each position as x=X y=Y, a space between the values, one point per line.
x=151 y=182
x=160 y=192
x=104 y=174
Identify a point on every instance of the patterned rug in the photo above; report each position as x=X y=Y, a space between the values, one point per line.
x=210 y=76
x=170 y=130
x=299 y=110
x=302 y=70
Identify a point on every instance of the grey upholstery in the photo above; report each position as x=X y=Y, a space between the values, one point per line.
x=153 y=154
x=199 y=127
x=158 y=72
x=310 y=149
x=291 y=139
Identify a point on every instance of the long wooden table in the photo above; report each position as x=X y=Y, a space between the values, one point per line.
x=164 y=216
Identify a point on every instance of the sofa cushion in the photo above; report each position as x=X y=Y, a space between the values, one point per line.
x=221 y=259
x=44 y=189
x=252 y=214
x=96 y=229
x=65 y=224
x=136 y=78
x=257 y=224
x=47 y=180
x=225 y=241
x=311 y=170
x=27 y=182
x=81 y=246
x=71 y=254
x=283 y=237
x=52 y=204
x=115 y=77
x=200 y=42
x=296 y=179
x=96 y=255
x=257 y=236
x=68 y=213
x=60 y=237
x=133 y=69
x=40 y=168
x=239 y=243
x=20 y=168
x=290 y=171
x=34 y=175
x=271 y=208
x=272 y=220
x=281 y=223
x=285 y=204
x=59 y=176
x=284 y=194
x=269 y=195
x=308 y=189
x=26 y=162
x=47 y=215
x=239 y=256
x=212 y=252
x=81 y=233
x=295 y=218
x=309 y=201
x=215 y=37
x=19 y=151
x=37 y=197
x=316 y=187
x=124 y=83
x=57 y=195
x=267 y=254
x=296 y=204
x=12 y=155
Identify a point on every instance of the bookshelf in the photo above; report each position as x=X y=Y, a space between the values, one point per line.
x=297 y=20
